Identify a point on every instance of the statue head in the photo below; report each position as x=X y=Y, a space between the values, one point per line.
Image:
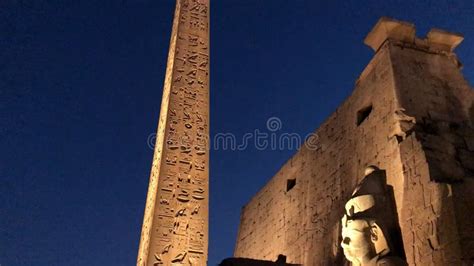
x=363 y=239
x=356 y=241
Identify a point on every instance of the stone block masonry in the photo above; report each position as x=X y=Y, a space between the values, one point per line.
x=411 y=114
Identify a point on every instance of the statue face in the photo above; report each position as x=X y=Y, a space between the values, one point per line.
x=358 y=248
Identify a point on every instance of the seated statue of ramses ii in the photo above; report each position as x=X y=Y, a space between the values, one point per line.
x=367 y=222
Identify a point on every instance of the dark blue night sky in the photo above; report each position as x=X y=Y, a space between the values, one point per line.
x=80 y=93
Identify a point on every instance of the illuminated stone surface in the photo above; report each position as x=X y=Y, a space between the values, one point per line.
x=411 y=114
x=370 y=231
x=175 y=225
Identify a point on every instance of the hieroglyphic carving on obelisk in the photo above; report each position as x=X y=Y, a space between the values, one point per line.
x=175 y=225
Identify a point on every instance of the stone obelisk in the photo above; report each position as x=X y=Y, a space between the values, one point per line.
x=175 y=224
